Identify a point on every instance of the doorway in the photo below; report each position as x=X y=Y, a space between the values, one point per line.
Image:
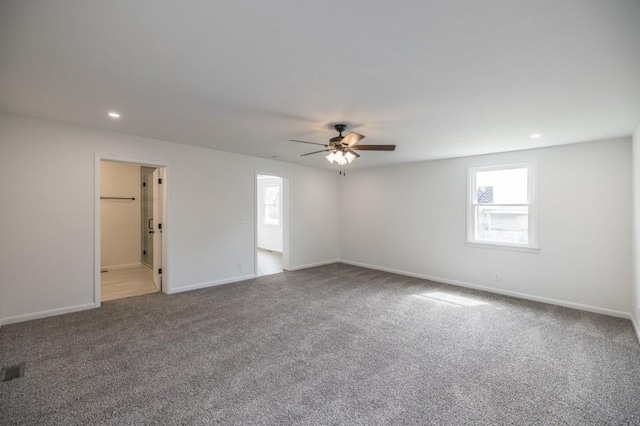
x=130 y=223
x=270 y=227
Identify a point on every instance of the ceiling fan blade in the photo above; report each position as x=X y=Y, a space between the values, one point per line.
x=352 y=138
x=312 y=143
x=315 y=152
x=375 y=147
x=353 y=152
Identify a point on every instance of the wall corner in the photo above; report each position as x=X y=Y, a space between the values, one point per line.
x=635 y=262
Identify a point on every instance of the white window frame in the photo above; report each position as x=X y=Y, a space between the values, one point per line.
x=532 y=246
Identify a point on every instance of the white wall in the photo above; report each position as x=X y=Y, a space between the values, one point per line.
x=269 y=236
x=412 y=218
x=120 y=219
x=636 y=231
x=409 y=218
x=47 y=230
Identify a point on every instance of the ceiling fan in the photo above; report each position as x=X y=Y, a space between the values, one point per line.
x=342 y=149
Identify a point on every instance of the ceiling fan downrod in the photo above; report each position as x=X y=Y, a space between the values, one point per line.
x=337 y=139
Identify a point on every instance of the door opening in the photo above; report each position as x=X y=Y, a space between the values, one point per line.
x=130 y=225
x=270 y=219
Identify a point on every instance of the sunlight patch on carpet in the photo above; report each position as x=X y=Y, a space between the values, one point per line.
x=451 y=299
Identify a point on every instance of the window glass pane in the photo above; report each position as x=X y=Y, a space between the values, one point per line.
x=502 y=224
x=272 y=214
x=501 y=186
x=272 y=195
x=272 y=205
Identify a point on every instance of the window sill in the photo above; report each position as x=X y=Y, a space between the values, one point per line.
x=504 y=246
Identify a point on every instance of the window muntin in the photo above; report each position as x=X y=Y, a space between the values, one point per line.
x=500 y=206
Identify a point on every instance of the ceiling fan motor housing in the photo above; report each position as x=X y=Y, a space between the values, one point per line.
x=334 y=143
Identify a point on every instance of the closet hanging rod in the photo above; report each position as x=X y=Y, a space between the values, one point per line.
x=118 y=198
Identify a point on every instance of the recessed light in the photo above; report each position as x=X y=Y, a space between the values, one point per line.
x=114 y=114
x=535 y=136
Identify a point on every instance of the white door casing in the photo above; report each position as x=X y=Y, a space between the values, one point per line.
x=157 y=227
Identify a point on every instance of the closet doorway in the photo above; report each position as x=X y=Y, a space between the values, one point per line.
x=131 y=216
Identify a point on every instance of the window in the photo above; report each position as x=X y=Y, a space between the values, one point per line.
x=272 y=205
x=501 y=209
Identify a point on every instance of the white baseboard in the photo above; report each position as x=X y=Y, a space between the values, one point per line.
x=209 y=284
x=48 y=313
x=313 y=265
x=241 y=278
x=125 y=266
x=525 y=296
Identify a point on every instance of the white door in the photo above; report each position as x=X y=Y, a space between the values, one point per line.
x=157 y=227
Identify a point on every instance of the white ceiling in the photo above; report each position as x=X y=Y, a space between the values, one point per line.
x=439 y=78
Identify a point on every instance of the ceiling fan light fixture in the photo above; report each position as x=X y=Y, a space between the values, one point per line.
x=340 y=158
x=331 y=157
x=349 y=157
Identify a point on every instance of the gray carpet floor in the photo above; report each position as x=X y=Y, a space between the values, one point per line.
x=335 y=344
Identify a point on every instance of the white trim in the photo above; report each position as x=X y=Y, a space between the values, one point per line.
x=505 y=246
x=210 y=284
x=116 y=267
x=48 y=313
x=313 y=265
x=532 y=205
x=525 y=296
x=97 y=232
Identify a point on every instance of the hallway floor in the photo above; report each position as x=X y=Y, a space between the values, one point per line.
x=129 y=282
x=269 y=262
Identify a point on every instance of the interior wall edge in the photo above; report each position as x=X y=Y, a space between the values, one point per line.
x=635 y=249
x=635 y=328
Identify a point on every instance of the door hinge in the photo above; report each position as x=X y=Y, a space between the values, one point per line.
x=159 y=226
x=144 y=183
x=144 y=252
x=160 y=271
x=159 y=180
